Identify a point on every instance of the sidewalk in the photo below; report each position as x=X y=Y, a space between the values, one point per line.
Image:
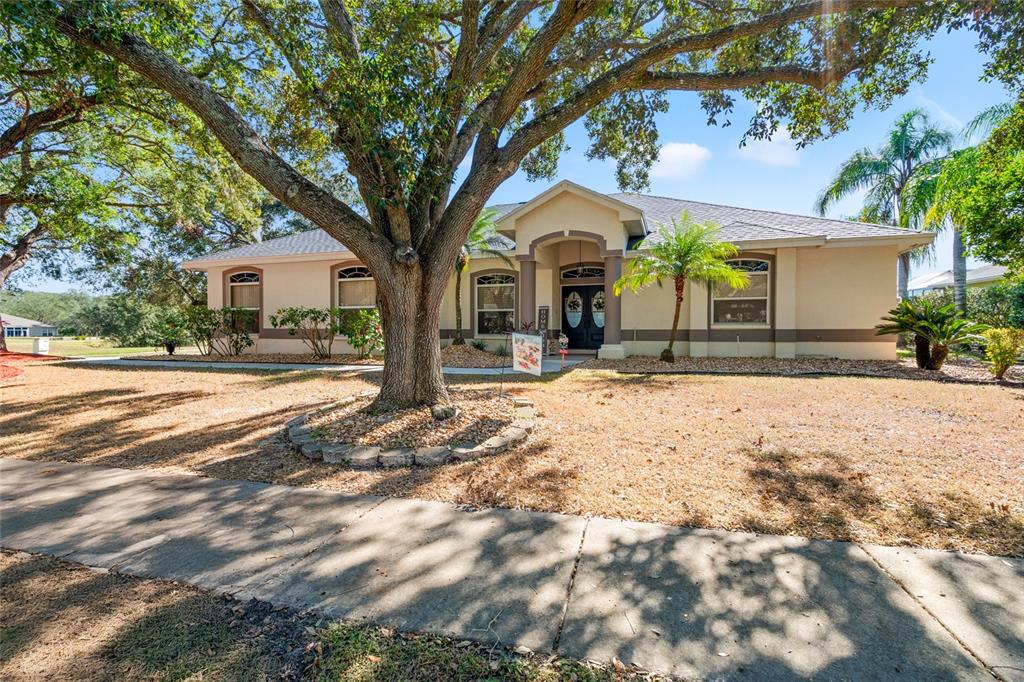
x=548 y=366
x=694 y=603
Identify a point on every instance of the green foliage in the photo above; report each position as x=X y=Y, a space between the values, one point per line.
x=63 y=310
x=1002 y=346
x=982 y=189
x=912 y=316
x=947 y=332
x=1016 y=316
x=362 y=328
x=218 y=330
x=201 y=325
x=316 y=327
x=126 y=319
x=688 y=251
x=170 y=327
x=991 y=305
x=479 y=344
x=482 y=239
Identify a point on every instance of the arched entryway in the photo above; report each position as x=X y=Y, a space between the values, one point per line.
x=581 y=272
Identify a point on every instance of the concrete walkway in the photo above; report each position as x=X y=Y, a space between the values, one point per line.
x=548 y=366
x=694 y=603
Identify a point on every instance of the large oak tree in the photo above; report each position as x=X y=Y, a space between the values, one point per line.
x=399 y=94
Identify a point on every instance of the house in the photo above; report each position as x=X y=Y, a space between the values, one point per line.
x=21 y=326
x=977 y=278
x=818 y=286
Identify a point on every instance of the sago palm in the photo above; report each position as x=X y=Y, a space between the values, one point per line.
x=911 y=316
x=688 y=251
x=479 y=240
x=951 y=332
x=914 y=141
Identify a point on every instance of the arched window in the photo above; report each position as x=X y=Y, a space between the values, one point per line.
x=244 y=291
x=356 y=288
x=584 y=272
x=495 y=303
x=748 y=306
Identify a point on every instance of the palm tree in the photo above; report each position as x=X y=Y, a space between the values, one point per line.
x=952 y=331
x=480 y=239
x=955 y=171
x=687 y=251
x=912 y=316
x=914 y=141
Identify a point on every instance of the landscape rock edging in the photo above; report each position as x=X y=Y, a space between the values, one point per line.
x=356 y=456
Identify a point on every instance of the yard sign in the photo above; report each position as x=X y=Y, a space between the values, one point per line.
x=526 y=353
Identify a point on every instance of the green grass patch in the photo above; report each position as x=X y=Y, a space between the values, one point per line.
x=352 y=653
x=86 y=348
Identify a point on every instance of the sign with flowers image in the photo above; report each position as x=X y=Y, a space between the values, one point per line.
x=527 y=353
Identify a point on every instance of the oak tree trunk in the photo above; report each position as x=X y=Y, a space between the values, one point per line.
x=410 y=307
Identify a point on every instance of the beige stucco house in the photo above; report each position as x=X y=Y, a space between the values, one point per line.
x=818 y=286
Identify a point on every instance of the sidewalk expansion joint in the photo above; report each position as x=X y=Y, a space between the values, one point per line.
x=916 y=600
x=572 y=582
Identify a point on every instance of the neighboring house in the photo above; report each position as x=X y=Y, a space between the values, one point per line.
x=977 y=278
x=15 y=326
x=818 y=286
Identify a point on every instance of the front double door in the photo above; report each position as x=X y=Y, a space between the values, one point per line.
x=583 y=315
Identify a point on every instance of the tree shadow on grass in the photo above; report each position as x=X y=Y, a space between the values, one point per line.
x=820 y=496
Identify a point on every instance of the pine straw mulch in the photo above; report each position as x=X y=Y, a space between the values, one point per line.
x=887 y=461
x=8 y=360
x=451 y=356
x=481 y=414
x=955 y=369
x=467 y=356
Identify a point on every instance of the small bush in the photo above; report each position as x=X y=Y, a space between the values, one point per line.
x=362 y=328
x=220 y=330
x=1002 y=347
x=316 y=327
x=478 y=344
x=501 y=351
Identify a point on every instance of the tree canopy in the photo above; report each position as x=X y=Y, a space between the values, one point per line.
x=398 y=95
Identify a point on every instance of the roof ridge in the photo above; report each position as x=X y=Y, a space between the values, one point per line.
x=765 y=210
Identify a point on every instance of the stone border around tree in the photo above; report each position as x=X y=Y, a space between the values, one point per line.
x=300 y=436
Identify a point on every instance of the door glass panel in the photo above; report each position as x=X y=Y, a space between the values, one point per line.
x=574 y=309
x=597 y=307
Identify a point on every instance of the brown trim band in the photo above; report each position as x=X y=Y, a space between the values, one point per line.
x=758 y=335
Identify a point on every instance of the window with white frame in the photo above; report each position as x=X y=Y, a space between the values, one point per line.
x=495 y=303
x=244 y=293
x=356 y=288
x=744 y=306
x=15 y=331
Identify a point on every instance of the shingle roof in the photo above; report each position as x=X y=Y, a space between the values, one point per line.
x=737 y=225
x=740 y=224
x=15 y=321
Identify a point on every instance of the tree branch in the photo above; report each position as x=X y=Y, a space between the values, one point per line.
x=51 y=119
x=239 y=139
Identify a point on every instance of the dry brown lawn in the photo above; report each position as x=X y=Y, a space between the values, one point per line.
x=875 y=460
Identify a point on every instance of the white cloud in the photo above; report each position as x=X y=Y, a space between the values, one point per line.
x=778 y=151
x=937 y=110
x=679 y=161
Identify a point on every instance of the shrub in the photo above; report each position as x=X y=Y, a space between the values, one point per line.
x=220 y=330
x=992 y=305
x=501 y=351
x=478 y=344
x=362 y=328
x=1002 y=346
x=1016 y=316
x=943 y=333
x=170 y=329
x=911 y=316
x=316 y=327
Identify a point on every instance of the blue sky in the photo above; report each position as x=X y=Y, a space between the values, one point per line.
x=706 y=163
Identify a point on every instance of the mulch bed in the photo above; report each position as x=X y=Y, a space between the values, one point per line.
x=481 y=414
x=467 y=356
x=9 y=358
x=965 y=369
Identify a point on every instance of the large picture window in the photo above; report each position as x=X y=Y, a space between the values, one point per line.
x=244 y=292
x=356 y=288
x=495 y=303
x=744 y=306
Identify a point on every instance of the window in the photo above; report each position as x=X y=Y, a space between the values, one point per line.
x=495 y=303
x=244 y=292
x=743 y=306
x=15 y=331
x=356 y=288
x=584 y=272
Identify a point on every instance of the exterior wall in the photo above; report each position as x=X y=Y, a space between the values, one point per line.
x=565 y=213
